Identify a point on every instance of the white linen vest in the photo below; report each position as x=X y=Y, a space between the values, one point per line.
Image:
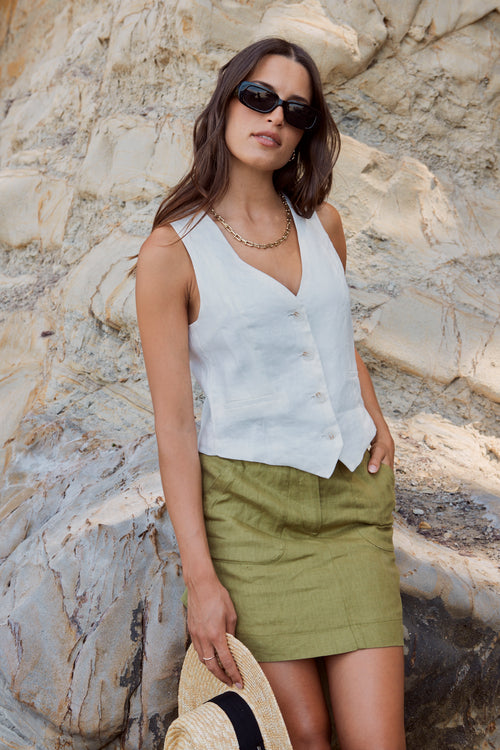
x=278 y=370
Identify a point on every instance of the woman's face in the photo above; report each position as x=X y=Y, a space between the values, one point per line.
x=266 y=141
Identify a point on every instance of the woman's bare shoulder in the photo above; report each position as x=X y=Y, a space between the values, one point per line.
x=332 y=224
x=329 y=216
x=164 y=252
x=163 y=244
x=165 y=276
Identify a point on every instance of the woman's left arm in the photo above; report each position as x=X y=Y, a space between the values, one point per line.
x=382 y=447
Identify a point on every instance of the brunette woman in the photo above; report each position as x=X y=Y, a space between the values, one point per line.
x=282 y=506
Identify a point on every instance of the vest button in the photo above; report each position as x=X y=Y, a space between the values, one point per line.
x=307 y=355
x=320 y=396
x=331 y=436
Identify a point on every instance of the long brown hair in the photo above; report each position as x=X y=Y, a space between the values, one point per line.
x=306 y=180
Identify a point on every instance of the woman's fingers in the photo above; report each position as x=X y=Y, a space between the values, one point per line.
x=226 y=659
x=218 y=659
x=378 y=455
x=211 y=661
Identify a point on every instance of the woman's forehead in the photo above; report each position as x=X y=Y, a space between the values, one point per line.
x=285 y=75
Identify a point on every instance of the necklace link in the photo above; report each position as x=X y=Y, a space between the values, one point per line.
x=258 y=245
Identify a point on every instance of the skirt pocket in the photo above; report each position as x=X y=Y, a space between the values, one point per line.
x=374 y=500
x=379 y=536
x=242 y=513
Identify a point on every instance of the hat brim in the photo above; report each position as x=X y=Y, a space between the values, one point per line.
x=198 y=685
x=204 y=728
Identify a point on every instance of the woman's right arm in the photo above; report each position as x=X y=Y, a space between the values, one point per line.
x=165 y=282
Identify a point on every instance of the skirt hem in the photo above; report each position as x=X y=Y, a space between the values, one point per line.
x=267 y=648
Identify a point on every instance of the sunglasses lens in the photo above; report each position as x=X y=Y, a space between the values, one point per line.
x=300 y=115
x=258 y=98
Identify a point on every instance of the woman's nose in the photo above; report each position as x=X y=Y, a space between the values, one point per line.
x=277 y=116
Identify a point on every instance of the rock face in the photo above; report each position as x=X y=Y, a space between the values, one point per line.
x=91 y=631
x=98 y=102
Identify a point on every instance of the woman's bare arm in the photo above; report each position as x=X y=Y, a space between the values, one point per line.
x=382 y=447
x=164 y=285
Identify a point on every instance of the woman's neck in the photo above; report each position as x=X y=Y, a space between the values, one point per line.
x=250 y=191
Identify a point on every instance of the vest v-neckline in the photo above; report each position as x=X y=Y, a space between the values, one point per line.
x=239 y=260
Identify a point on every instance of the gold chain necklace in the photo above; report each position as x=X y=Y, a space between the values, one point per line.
x=239 y=238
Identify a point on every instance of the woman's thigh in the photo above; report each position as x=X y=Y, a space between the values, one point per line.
x=297 y=687
x=367 y=694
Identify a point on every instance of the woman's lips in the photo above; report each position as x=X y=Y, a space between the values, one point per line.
x=266 y=138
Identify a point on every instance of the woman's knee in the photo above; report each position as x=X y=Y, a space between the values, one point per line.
x=298 y=690
x=311 y=733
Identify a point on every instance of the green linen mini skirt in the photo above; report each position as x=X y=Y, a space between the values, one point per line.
x=309 y=562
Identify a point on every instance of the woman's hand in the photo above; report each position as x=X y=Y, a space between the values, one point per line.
x=381 y=451
x=382 y=446
x=211 y=615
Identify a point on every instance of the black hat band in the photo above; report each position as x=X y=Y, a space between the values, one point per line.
x=242 y=718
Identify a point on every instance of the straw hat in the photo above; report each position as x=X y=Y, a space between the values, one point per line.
x=255 y=724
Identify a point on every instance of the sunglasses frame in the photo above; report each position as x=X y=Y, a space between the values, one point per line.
x=244 y=85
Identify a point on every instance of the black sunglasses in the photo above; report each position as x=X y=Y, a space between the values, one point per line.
x=260 y=99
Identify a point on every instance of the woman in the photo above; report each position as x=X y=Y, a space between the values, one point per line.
x=282 y=515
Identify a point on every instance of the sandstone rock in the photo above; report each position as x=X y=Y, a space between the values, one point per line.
x=451 y=679
x=47 y=118
x=467 y=587
x=399 y=217
x=364 y=17
x=193 y=22
x=131 y=35
x=6 y=19
x=445 y=344
x=100 y=284
x=33 y=207
x=418 y=112
x=435 y=19
x=461 y=453
x=21 y=368
x=98 y=106
x=116 y=162
x=451 y=606
x=86 y=44
x=398 y=17
x=99 y=388
x=172 y=156
x=89 y=640
x=334 y=46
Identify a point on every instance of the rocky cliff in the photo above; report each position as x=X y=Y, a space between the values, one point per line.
x=98 y=102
